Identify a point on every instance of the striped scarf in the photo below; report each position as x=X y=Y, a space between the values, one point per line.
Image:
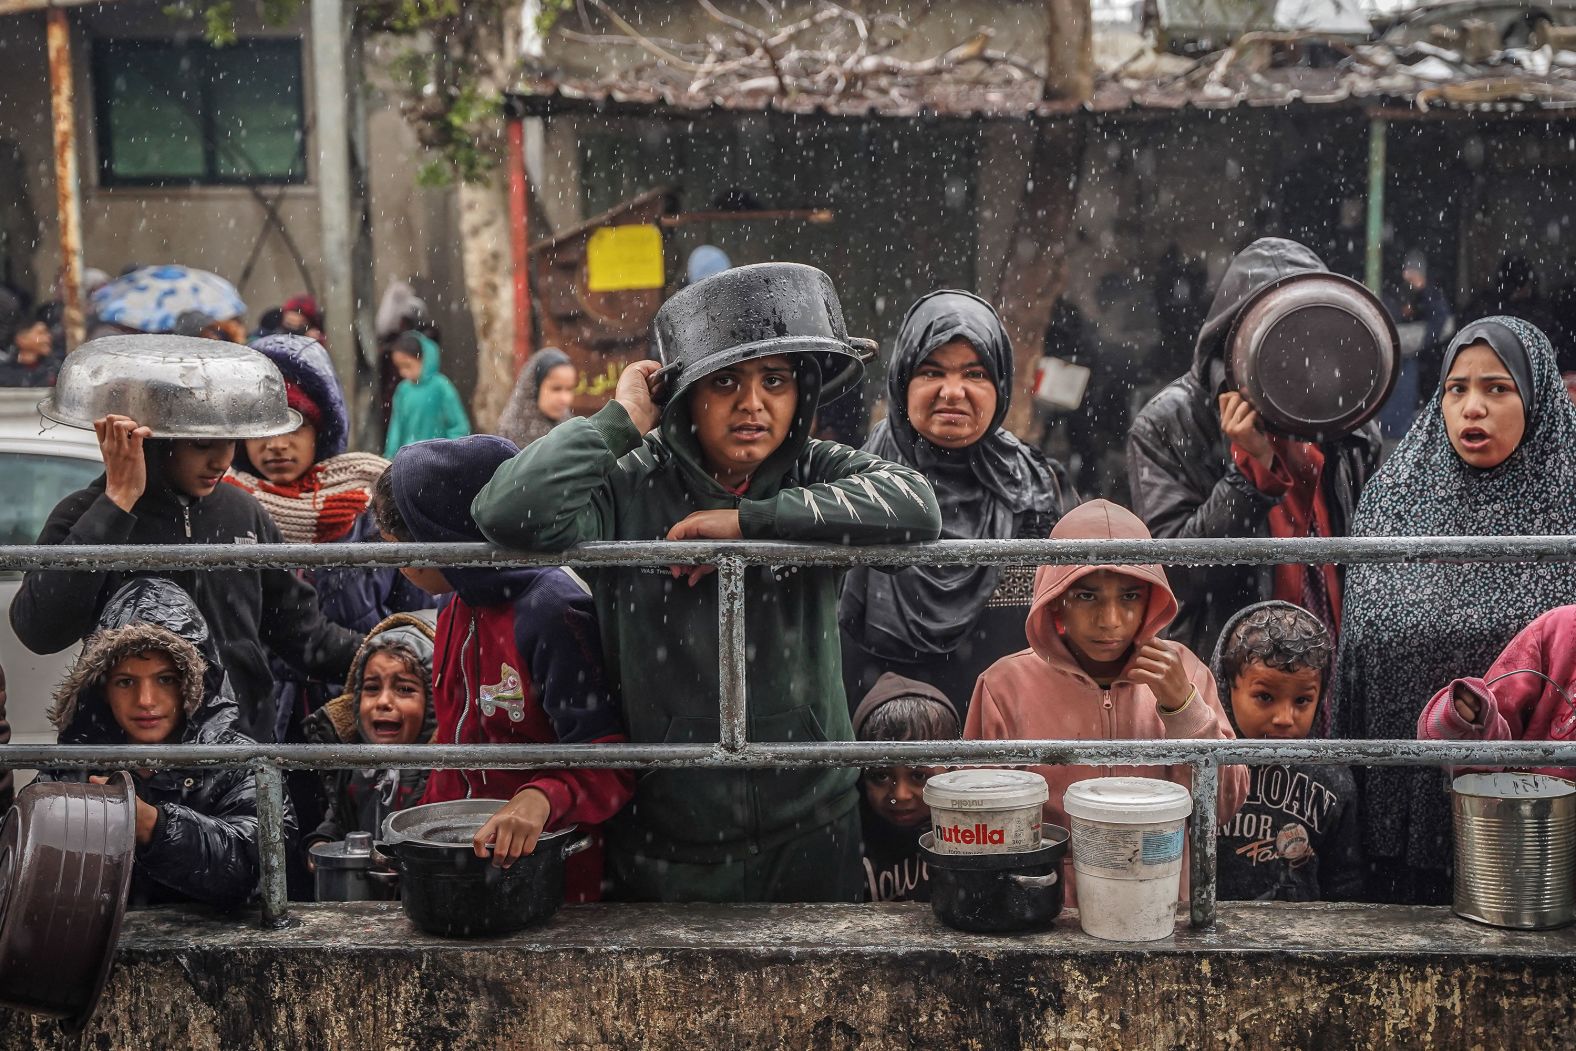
x=323 y=504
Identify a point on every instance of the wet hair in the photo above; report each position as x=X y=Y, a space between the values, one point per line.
x=911 y=719
x=384 y=507
x=1283 y=638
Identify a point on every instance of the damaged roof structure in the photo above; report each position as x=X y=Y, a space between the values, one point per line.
x=1458 y=56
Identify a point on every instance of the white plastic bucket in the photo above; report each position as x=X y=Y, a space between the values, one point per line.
x=986 y=811
x=1127 y=836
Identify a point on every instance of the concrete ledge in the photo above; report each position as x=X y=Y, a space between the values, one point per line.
x=631 y=976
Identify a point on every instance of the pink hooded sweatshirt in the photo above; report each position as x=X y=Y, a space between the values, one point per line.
x=1043 y=693
x=1518 y=707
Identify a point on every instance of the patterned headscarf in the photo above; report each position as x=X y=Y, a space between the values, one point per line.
x=1409 y=629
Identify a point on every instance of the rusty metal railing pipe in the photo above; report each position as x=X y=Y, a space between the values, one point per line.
x=733 y=749
x=1201 y=876
x=732 y=716
x=1191 y=552
x=759 y=755
x=271 y=843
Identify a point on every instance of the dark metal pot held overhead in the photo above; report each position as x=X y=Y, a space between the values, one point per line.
x=752 y=312
x=1316 y=354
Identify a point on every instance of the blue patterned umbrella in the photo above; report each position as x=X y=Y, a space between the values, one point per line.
x=152 y=298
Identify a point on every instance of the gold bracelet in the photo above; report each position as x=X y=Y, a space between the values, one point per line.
x=1178 y=711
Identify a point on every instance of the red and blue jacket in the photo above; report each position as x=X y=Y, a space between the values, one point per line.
x=519 y=661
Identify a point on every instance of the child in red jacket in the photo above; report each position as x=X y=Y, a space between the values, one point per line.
x=1517 y=707
x=518 y=661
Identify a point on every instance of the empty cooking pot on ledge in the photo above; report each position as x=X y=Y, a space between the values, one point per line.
x=446 y=890
x=1316 y=354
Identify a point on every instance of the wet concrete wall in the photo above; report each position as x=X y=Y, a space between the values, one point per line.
x=828 y=977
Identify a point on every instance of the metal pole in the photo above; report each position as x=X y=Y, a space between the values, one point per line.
x=68 y=190
x=336 y=212
x=730 y=644
x=519 y=235
x=1219 y=551
x=762 y=755
x=1206 y=786
x=1373 y=262
x=271 y=843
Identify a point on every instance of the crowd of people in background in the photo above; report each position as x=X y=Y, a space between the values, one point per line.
x=729 y=451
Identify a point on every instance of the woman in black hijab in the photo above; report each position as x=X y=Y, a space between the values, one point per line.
x=949 y=386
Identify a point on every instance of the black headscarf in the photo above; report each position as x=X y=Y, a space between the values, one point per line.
x=1409 y=629
x=987 y=491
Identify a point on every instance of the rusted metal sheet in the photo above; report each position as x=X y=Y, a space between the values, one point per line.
x=68 y=190
x=602 y=332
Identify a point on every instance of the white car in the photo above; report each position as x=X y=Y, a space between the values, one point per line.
x=41 y=463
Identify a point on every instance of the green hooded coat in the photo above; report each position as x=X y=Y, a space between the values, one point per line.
x=428 y=408
x=596 y=478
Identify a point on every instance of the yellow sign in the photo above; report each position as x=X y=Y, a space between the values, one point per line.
x=621 y=258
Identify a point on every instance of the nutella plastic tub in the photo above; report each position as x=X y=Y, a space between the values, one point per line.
x=986 y=811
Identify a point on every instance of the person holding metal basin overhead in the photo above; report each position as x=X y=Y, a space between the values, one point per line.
x=1270 y=433
x=168 y=411
x=949 y=386
x=1493 y=454
x=712 y=442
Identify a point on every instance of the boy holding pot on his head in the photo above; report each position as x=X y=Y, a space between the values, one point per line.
x=728 y=457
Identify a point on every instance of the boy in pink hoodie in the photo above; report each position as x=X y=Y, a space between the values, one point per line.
x=1096 y=670
x=1517 y=707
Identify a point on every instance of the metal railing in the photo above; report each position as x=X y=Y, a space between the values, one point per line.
x=734 y=750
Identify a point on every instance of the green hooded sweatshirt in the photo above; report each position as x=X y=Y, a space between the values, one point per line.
x=427 y=408
x=596 y=479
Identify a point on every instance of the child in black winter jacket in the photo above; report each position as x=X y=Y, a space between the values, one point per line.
x=167 y=491
x=148 y=675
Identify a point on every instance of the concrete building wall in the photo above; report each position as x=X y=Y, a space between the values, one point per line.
x=218 y=227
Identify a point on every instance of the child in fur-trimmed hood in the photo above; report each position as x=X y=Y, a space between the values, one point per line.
x=387 y=700
x=150 y=675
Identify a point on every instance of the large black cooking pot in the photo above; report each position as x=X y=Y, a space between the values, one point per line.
x=1316 y=354
x=447 y=890
x=998 y=893
x=752 y=312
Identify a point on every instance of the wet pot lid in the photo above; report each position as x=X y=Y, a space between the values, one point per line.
x=1316 y=354
x=450 y=824
x=1127 y=800
x=352 y=852
x=1512 y=785
x=986 y=790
